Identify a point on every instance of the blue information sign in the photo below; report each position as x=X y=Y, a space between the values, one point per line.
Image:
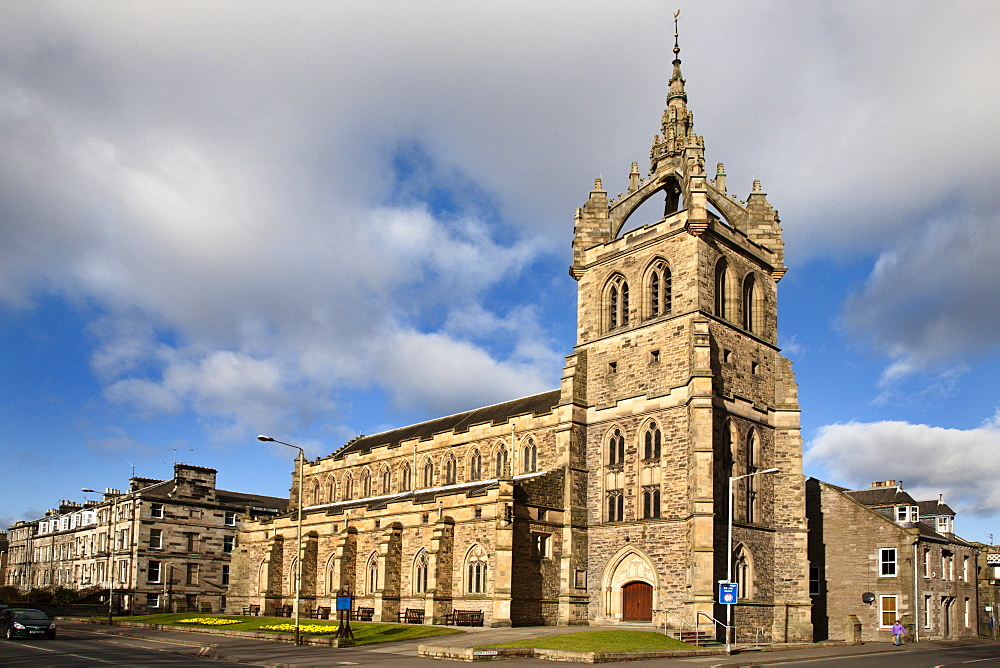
x=728 y=592
x=344 y=602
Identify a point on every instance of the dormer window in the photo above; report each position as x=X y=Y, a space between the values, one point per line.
x=907 y=514
x=944 y=524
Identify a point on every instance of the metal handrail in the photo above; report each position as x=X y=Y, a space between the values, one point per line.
x=713 y=619
x=682 y=621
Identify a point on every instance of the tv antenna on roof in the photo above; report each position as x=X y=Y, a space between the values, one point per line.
x=175 y=455
x=133 y=467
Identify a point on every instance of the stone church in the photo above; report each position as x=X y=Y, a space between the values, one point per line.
x=604 y=501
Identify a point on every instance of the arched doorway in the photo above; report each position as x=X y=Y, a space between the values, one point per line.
x=637 y=602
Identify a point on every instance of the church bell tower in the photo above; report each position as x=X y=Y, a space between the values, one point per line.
x=679 y=386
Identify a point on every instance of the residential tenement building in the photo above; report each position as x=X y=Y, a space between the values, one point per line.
x=988 y=574
x=163 y=544
x=872 y=555
x=604 y=500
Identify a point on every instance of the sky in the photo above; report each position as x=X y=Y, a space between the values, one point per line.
x=319 y=219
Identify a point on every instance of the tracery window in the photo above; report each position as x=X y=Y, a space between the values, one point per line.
x=650 y=502
x=366 y=484
x=420 y=573
x=331 y=489
x=428 y=473
x=660 y=289
x=450 y=471
x=615 y=505
x=743 y=572
x=314 y=494
x=617 y=302
x=616 y=448
x=476 y=570
x=349 y=487
x=372 y=584
x=386 y=480
x=529 y=462
x=652 y=441
x=404 y=477
x=476 y=465
x=501 y=461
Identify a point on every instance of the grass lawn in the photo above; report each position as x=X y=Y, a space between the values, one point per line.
x=365 y=633
x=601 y=641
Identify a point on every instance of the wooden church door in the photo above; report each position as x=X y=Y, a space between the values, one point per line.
x=637 y=602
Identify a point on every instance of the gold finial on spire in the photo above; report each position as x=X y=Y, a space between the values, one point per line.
x=677 y=48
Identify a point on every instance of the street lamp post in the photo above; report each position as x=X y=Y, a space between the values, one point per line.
x=300 y=463
x=111 y=554
x=729 y=553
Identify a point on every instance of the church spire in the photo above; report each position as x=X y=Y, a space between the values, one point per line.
x=676 y=80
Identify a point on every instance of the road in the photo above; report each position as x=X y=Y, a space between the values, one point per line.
x=86 y=648
x=80 y=645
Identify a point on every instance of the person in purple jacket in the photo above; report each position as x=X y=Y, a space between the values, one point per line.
x=897 y=633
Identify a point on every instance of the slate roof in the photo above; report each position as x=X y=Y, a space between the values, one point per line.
x=934 y=508
x=882 y=496
x=538 y=404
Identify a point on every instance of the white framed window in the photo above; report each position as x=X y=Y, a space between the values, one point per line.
x=965 y=569
x=153 y=572
x=152 y=600
x=228 y=543
x=927 y=611
x=156 y=510
x=230 y=519
x=927 y=562
x=887 y=562
x=966 y=612
x=887 y=611
x=156 y=539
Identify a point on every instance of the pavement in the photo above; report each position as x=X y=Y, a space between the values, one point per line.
x=271 y=653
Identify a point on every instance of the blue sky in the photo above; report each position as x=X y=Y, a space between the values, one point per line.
x=320 y=219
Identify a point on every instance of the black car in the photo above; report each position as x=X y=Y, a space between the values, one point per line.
x=26 y=623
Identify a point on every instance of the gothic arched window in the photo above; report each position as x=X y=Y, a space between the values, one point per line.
x=420 y=573
x=404 y=477
x=366 y=484
x=652 y=441
x=428 y=473
x=616 y=448
x=660 y=289
x=752 y=481
x=721 y=288
x=314 y=496
x=450 y=471
x=501 y=461
x=386 y=480
x=650 y=502
x=349 y=487
x=750 y=309
x=476 y=465
x=372 y=570
x=475 y=568
x=616 y=506
x=743 y=572
x=617 y=300
x=331 y=489
x=529 y=462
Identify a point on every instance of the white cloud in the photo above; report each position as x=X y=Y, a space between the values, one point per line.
x=220 y=178
x=963 y=465
x=934 y=300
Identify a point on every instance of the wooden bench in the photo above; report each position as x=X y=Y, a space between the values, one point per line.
x=363 y=614
x=412 y=616
x=284 y=611
x=253 y=610
x=322 y=612
x=464 y=618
